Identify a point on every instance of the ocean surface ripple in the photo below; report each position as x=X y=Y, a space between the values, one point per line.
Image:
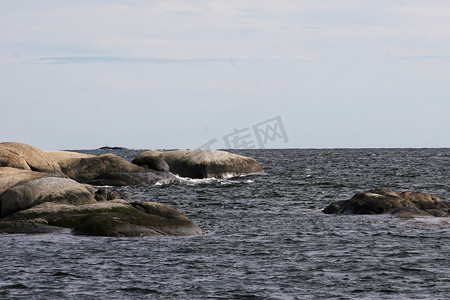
x=265 y=237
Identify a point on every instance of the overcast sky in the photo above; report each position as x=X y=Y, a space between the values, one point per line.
x=181 y=74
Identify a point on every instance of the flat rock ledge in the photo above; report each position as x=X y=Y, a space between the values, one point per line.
x=382 y=201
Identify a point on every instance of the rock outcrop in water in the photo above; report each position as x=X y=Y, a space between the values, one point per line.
x=204 y=163
x=152 y=162
x=107 y=169
x=37 y=195
x=116 y=218
x=381 y=201
x=48 y=189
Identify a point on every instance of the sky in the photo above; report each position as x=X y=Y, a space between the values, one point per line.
x=225 y=74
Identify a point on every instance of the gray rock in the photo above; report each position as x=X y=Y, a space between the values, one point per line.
x=10 y=177
x=49 y=189
x=103 y=194
x=110 y=169
x=152 y=162
x=114 y=218
x=382 y=201
x=205 y=163
x=88 y=168
x=36 y=197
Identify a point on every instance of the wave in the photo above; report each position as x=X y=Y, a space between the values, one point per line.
x=212 y=180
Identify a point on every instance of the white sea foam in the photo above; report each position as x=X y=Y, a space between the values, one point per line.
x=211 y=180
x=432 y=220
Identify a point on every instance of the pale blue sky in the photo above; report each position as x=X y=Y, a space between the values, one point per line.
x=176 y=74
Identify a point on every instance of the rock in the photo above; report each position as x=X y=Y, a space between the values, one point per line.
x=205 y=163
x=36 y=197
x=103 y=194
x=106 y=169
x=10 y=177
x=422 y=200
x=152 y=162
x=48 y=189
x=85 y=168
x=159 y=209
x=114 y=218
x=34 y=226
x=27 y=157
x=65 y=159
x=407 y=212
x=382 y=201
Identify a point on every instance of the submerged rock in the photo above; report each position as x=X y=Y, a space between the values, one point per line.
x=380 y=201
x=204 y=163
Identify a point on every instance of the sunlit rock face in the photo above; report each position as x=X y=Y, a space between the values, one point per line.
x=205 y=163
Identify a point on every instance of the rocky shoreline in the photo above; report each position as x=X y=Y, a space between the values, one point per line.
x=44 y=191
x=41 y=191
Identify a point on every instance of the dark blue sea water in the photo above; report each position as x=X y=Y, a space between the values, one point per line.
x=265 y=237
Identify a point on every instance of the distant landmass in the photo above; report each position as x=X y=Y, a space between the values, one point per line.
x=112 y=148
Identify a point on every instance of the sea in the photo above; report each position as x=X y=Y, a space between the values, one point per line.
x=264 y=237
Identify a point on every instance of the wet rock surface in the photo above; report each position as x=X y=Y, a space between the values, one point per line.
x=381 y=201
x=116 y=218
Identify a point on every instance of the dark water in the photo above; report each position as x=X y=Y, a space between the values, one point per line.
x=265 y=237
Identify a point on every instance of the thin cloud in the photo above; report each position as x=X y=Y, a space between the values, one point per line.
x=129 y=60
x=155 y=60
x=231 y=61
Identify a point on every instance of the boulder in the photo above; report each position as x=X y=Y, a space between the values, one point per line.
x=35 y=195
x=205 y=163
x=27 y=157
x=152 y=162
x=85 y=168
x=10 y=177
x=110 y=169
x=380 y=201
x=103 y=194
x=67 y=158
x=116 y=218
x=48 y=189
